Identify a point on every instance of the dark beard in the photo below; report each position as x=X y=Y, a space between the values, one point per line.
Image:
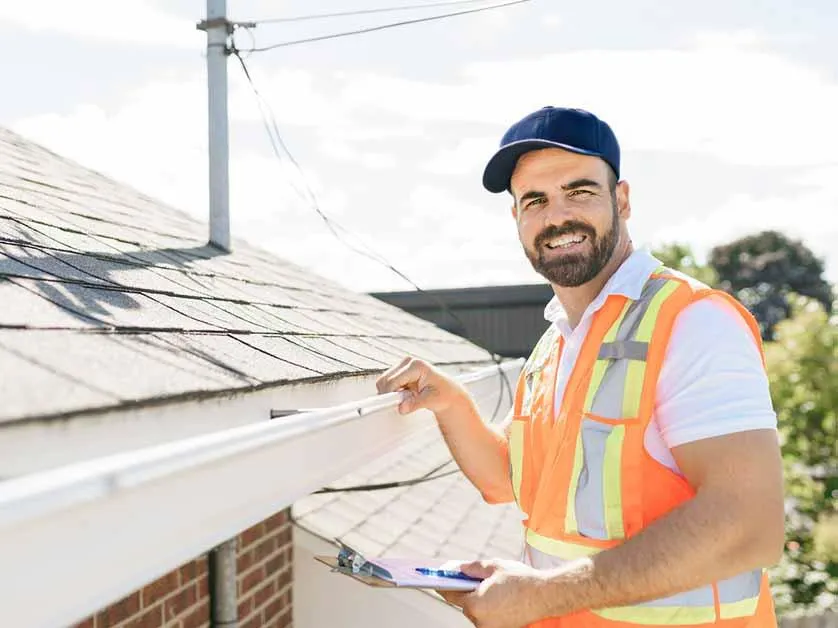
x=570 y=271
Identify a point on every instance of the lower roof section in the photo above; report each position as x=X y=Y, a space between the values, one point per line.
x=93 y=531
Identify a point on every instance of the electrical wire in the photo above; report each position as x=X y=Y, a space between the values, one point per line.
x=272 y=128
x=382 y=486
x=320 y=16
x=382 y=27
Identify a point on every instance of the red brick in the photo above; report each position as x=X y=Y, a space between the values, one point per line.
x=198 y=618
x=181 y=601
x=160 y=588
x=251 y=535
x=283 y=579
x=203 y=587
x=276 y=521
x=105 y=620
x=203 y=565
x=265 y=593
x=275 y=608
x=264 y=549
x=245 y=561
x=245 y=608
x=189 y=572
x=253 y=622
x=151 y=618
x=252 y=579
x=284 y=536
x=124 y=608
x=275 y=563
x=90 y=622
x=284 y=620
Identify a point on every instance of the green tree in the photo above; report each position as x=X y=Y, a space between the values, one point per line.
x=678 y=256
x=802 y=369
x=764 y=270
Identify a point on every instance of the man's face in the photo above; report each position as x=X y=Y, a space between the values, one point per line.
x=567 y=214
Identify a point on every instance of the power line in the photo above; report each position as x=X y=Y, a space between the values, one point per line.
x=320 y=16
x=427 y=477
x=382 y=27
x=271 y=126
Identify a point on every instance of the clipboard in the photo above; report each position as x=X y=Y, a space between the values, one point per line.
x=393 y=572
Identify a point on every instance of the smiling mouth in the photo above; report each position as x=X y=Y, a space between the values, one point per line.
x=565 y=241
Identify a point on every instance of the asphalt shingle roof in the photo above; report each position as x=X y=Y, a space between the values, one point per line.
x=112 y=298
x=444 y=517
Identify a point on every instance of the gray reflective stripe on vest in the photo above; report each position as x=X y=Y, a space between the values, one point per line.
x=623 y=350
x=590 y=514
x=596 y=494
x=608 y=400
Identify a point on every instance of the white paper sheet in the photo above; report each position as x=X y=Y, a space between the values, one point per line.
x=404 y=573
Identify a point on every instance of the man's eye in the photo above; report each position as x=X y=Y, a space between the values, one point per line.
x=534 y=201
x=580 y=193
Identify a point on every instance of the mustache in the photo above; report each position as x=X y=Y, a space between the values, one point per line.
x=571 y=226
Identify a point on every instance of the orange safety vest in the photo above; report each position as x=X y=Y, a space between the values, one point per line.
x=585 y=480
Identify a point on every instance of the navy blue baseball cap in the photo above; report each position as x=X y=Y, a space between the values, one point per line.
x=576 y=130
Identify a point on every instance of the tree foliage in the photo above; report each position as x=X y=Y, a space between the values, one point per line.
x=764 y=270
x=803 y=369
x=678 y=256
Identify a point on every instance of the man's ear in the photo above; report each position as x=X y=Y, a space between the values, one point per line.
x=623 y=200
x=514 y=211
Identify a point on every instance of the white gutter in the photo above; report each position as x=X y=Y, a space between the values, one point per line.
x=76 y=538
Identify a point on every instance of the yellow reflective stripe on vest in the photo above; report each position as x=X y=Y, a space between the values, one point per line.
x=745 y=608
x=647 y=325
x=612 y=491
x=660 y=615
x=693 y=607
x=635 y=374
x=600 y=366
x=570 y=513
x=562 y=550
x=738 y=596
x=516 y=457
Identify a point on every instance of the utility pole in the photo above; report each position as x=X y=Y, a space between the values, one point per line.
x=218 y=30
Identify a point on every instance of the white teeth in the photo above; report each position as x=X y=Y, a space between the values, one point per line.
x=565 y=241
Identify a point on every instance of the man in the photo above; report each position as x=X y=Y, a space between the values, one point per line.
x=642 y=447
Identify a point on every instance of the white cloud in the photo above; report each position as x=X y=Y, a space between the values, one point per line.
x=725 y=98
x=741 y=105
x=125 y=21
x=809 y=215
x=551 y=21
x=467 y=156
x=344 y=151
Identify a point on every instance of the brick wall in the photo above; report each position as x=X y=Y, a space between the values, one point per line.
x=180 y=599
x=265 y=554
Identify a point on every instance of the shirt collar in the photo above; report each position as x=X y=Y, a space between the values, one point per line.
x=628 y=280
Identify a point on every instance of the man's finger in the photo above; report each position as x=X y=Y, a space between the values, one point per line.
x=457 y=598
x=406 y=377
x=479 y=568
x=414 y=401
x=382 y=382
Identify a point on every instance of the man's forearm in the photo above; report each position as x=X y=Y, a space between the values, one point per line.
x=707 y=539
x=480 y=452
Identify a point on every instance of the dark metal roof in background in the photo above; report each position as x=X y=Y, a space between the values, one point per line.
x=110 y=298
x=507 y=320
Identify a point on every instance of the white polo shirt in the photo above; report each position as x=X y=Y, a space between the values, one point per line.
x=711 y=382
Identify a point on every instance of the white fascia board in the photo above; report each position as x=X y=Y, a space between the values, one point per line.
x=77 y=538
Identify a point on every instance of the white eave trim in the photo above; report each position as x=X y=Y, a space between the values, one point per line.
x=77 y=538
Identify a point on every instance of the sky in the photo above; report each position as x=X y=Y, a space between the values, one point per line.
x=725 y=111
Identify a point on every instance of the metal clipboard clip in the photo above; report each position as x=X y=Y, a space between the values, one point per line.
x=353 y=563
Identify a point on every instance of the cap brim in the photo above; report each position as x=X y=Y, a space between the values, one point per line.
x=499 y=170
